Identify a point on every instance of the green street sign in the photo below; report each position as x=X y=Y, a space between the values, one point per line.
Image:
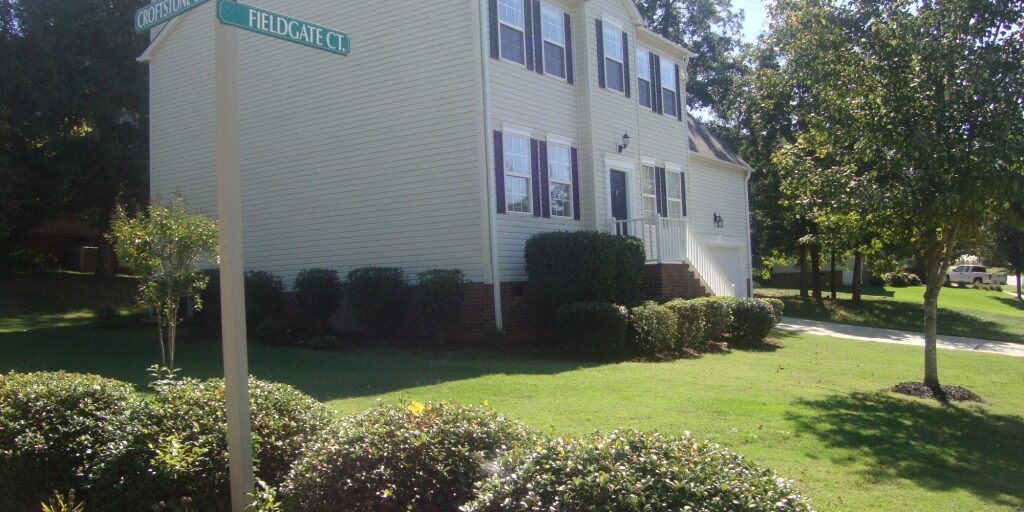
x=161 y=11
x=262 y=21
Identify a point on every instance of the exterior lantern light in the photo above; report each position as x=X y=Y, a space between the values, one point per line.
x=625 y=142
x=719 y=221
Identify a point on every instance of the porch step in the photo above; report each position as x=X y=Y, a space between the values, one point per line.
x=664 y=280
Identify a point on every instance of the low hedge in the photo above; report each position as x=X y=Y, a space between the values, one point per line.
x=378 y=298
x=901 y=279
x=717 y=317
x=690 y=323
x=633 y=471
x=652 y=329
x=440 y=294
x=417 y=457
x=593 y=329
x=752 y=320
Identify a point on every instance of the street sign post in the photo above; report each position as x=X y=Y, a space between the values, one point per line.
x=269 y=23
x=161 y=11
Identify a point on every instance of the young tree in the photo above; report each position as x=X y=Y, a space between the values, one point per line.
x=164 y=247
x=1009 y=242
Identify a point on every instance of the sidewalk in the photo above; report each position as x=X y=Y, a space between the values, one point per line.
x=856 y=332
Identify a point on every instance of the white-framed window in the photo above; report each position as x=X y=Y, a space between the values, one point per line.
x=674 y=193
x=516 y=157
x=560 y=180
x=669 y=86
x=512 y=30
x=614 y=69
x=643 y=76
x=552 y=21
x=649 y=191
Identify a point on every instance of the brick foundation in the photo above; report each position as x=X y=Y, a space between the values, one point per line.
x=672 y=280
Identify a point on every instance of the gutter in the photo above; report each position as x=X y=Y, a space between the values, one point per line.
x=750 y=246
x=492 y=215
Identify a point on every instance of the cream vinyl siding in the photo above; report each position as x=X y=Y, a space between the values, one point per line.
x=370 y=159
x=714 y=187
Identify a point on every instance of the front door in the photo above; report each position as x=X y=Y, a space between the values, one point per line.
x=619 y=205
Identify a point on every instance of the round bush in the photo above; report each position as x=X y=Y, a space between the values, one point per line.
x=377 y=296
x=271 y=332
x=633 y=471
x=778 y=307
x=318 y=293
x=264 y=294
x=689 y=322
x=191 y=450
x=717 y=317
x=418 y=457
x=901 y=279
x=752 y=320
x=652 y=328
x=62 y=431
x=440 y=295
x=593 y=329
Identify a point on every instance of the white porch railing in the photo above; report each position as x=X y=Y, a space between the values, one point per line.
x=674 y=241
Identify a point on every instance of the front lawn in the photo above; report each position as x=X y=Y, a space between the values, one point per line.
x=815 y=410
x=962 y=311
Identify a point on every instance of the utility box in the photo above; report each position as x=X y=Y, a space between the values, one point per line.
x=84 y=259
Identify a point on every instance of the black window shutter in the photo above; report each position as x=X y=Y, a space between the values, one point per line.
x=575 y=185
x=679 y=96
x=656 y=82
x=545 y=185
x=528 y=35
x=660 y=192
x=492 y=14
x=682 y=185
x=535 y=173
x=600 y=53
x=538 y=38
x=625 y=61
x=499 y=171
x=568 y=49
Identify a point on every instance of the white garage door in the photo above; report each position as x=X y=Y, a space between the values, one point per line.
x=731 y=261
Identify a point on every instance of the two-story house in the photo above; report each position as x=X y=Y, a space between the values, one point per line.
x=454 y=131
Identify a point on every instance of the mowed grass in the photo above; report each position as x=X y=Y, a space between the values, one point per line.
x=962 y=311
x=815 y=410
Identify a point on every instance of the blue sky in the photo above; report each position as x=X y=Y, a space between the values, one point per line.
x=754 y=18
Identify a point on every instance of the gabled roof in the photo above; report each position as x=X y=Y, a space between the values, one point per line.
x=703 y=143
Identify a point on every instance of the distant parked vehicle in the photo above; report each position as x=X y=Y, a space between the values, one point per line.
x=973 y=274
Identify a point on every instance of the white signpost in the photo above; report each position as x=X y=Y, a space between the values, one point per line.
x=229 y=200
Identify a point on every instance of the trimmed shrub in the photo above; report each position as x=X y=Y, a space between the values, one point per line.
x=418 y=457
x=752 y=320
x=68 y=431
x=440 y=294
x=263 y=296
x=271 y=332
x=377 y=296
x=717 y=317
x=326 y=342
x=27 y=261
x=778 y=307
x=191 y=452
x=901 y=279
x=593 y=329
x=652 y=328
x=583 y=266
x=318 y=293
x=633 y=471
x=689 y=323
x=988 y=287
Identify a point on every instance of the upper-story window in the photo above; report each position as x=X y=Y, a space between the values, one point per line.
x=614 y=68
x=643 y=76
x=669 y=87
x=553 y=31
x=560 y=179
x=512 y=22
x=516 y=160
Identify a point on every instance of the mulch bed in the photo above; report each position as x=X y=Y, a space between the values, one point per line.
x=946 y=394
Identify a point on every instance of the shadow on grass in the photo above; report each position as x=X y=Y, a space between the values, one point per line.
x=1012 y=302
x=125 y=354
x=938 y=447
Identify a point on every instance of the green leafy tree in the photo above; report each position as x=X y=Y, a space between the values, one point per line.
x=165 y=247
x=927 y=99
x=1009 y=242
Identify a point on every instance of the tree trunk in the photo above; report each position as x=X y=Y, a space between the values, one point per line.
x=1018 y=287
x=172 y=333
x=832 y=276
x=931 y=324
x=858 y=269
x=803 y=272
x=816 y=271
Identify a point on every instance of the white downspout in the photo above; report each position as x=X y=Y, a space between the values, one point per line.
x=489 y=166
x=750 y=245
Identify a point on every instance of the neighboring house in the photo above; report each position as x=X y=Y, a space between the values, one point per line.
x=454 y=131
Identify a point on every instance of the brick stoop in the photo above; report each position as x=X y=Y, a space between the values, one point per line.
x=672 y=280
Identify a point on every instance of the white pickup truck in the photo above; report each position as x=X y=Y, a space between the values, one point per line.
x=973 y=274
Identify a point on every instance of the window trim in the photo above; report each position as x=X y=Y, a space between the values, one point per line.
x=522 y=32
x=606 y=25
x=544 y=39
x=643 y=194
x=528 y=176
x=671 y=66
x=557 y=142
x=641 y=66
x=668 y=199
